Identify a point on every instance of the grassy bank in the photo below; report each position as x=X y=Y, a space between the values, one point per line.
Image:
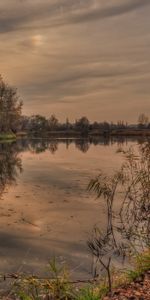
x=7 y=136
x=61 y=287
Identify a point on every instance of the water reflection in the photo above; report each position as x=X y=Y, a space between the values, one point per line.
x=83 y=145
x=49 y=212
x=10 y=165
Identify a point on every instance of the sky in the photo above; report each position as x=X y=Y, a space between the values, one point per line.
x=74 y=58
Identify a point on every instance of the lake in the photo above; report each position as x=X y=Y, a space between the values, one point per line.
x=45 y=209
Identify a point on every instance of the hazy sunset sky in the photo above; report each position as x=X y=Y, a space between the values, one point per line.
x=78 y=57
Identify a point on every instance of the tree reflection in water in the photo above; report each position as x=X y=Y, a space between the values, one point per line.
x=10 y=162
x=82 y=144
x=10 y=165
x=128 y=226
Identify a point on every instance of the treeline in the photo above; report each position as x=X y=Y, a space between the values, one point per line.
x=12 y=120
x=41 y=124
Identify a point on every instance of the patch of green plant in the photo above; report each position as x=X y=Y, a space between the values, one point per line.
x=28 y=289
x=132 y=275
x=141 y=265
x=143 y=261
x=60 y=286
x=88 y=293
x=7 y=136
x=23 y=296
x=55 y=287
x=92 y=292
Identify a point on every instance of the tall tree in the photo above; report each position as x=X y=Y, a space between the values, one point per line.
x=143 y=121
x=10 y=107
x=53 y=122
x=38 y=123
x=83 y=124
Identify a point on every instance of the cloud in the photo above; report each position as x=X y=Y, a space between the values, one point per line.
x=101 y=13
x=28 y=14
x=84 y=80
x=70 y=53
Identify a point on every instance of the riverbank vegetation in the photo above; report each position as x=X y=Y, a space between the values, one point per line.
x=128 y=226
x=13 y=123
x=59 y=285
x=47 y=127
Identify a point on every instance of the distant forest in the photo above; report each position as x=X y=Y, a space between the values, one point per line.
x=12 y=120
x=38 y=123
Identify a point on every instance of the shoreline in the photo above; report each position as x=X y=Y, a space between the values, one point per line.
x=75 y=134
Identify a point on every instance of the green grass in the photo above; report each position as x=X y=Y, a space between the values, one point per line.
x=88 y=293
x=141 y=265
x=61 y=288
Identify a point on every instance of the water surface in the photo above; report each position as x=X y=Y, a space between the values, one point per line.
x=45 y=209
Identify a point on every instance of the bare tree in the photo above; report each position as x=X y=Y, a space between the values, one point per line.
x=143 y=121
